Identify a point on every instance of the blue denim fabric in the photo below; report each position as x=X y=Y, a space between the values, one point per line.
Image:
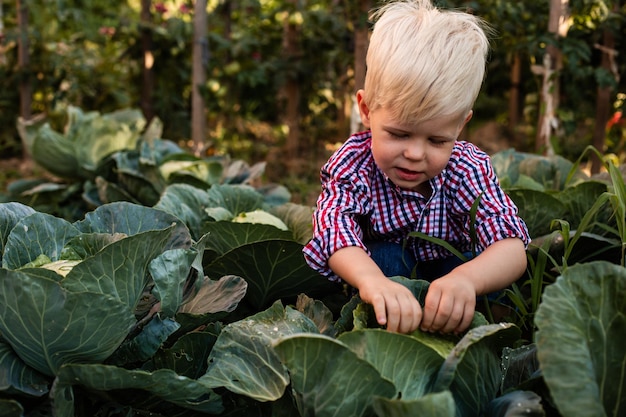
x=394 y=260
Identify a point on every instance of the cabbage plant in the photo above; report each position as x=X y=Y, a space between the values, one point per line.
x=92 y=319
x=581 y=324
x=182 y=309
x=128 y=298
x=99 y=158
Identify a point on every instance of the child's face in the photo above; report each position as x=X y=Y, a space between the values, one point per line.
x=411 y=154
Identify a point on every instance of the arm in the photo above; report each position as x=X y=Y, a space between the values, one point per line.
x=394 y=304
x=451 y=299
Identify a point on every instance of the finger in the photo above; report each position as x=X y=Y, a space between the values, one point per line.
x=379 y=310
x=443 y=314
x=431 y=305
x=417 y=316
x=393 y=315
x=412 y=315
x=468 y=316
x=455 y=318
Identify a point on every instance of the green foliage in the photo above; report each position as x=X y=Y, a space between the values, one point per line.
x=245 y=64
x=103 y=158
x=179 y=308
x=578 y=323
x=131 y=262
x=572 y=219
x=81 y=53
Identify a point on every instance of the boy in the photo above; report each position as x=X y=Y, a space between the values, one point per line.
x=408 y=172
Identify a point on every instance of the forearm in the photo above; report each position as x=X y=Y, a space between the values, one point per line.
x=496 y=267
x=354 y=266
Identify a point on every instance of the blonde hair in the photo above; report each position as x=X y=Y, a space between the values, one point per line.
x=424 y=62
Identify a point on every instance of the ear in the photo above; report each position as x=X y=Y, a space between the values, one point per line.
x=364 y=111
x=468 y=117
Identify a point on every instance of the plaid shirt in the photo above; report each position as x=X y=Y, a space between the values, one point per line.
x=358 y=203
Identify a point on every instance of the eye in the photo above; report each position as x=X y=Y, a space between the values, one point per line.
x=438 y=141
x=398 y=135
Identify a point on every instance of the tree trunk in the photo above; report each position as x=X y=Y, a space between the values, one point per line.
x=552 y=64
x=3 y=56
x=603 y=99
x=290 y=92
x=23 y=60
x=23 y=63
x=200 y=61
x=514 y=94
x=361 y=42
x=147 y=86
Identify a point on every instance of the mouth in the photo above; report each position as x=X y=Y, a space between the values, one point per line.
x=408 y=175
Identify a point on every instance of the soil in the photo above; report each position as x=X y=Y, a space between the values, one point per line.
x=15 y=168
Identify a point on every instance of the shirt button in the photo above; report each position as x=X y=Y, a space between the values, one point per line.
x=426 y=212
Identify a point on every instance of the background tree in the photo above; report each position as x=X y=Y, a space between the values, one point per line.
x=289 y=92
x=147 y=86
x=93 y=56
x=198 y=78
x=558 y=25
x=359 y=18
x=3 y=47
x=23 y=60
x=608 y=78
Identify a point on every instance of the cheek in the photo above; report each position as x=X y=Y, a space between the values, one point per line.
x=440 y=159
x=382 y=159
x=384 y=152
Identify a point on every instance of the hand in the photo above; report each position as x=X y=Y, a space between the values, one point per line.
x=394 y=304
x=449 y=305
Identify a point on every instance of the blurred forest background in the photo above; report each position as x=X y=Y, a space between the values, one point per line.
x=274 y=80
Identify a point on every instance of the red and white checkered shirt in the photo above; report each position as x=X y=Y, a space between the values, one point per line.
x=358 y=203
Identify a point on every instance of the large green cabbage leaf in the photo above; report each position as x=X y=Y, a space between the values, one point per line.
x=87 y=139
x=200 y=173
x=55 y=152
x=163 y=383
x=35 y=235
x=10 y=215
x=274 y=269
x=243 y=359
x=409 y=363
x=437 y=404
x=121 y=268
x=17 y=377
x=580 y=340
x=330 y=379
x=130 y=219
x=189 y=204
x=49 y=320
x=48 y=326
x=471 y=371
x=169 y=272
x=225 y=236
x=538 y=209
x=299 y=219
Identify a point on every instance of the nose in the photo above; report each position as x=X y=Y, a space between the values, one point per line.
x=415 y=150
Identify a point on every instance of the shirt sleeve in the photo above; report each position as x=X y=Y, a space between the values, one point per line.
x=342 y=202
x=496 y=215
